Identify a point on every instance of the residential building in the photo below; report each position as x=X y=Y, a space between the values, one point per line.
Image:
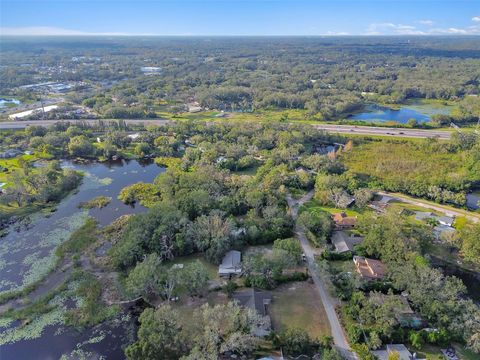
x=342 y=221
x=344 y=242
x=403 y=352
x=442 y=220
x=257 y=301
x=369 y=268
x=231 y=264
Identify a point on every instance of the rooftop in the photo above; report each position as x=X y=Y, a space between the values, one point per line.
x=369 y=268
x=253 y=299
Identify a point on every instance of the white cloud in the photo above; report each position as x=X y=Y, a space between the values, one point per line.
x=400 y=29
x=46 y=31
x=392 y=29
x=427 y=22
x=476 y=18
x=337 y=33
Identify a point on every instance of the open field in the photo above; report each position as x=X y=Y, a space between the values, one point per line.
x=313 y=206
x=298 y=305
x=212 y=269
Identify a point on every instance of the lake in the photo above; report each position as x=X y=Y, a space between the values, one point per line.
x=417 y=110
x=29 y=255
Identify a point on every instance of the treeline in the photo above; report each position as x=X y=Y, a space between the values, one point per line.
x=326 y=77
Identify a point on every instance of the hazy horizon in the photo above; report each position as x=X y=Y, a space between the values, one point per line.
x=239 y=18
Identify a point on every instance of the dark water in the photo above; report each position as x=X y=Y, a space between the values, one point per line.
x=473 y=200
x=376 y=113
x=28 y=255
x=101 y=342
x=470 y=279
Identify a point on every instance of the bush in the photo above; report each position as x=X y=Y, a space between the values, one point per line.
x=330 y=255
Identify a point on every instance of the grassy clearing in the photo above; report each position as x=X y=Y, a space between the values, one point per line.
x=298 y=305
x=211 y=268
x=314 y=206
x=430 y=352
x=465 y=354
x=341 y=266
x=13 y=166
x=187 y=305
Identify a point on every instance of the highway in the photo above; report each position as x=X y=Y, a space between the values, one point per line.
x=341 y=129
x=383 y=131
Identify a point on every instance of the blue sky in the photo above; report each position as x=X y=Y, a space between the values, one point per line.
x=240 y=17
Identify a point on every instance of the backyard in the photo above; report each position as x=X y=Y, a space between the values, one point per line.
x=298 y=305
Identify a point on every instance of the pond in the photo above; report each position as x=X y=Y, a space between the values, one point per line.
x=29 y=255
x=473 y=200
x=418 y=110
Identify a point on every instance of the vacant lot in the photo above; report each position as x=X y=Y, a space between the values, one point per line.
x=298 y=305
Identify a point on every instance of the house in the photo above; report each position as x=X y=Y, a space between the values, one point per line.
x=403 y=352
x=442 y=220
x=257 y=301
x=422 y=216
x=133 y=136
x=381 y=204
x=231 y=264
x=446 y=220
x=342 y=221
x=194 y=107
x=369 y=269
x=254 y=299
x=441 y=230
x=344 y=243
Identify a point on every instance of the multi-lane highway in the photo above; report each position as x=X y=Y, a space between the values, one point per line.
x=383 y=131
x=341 y=129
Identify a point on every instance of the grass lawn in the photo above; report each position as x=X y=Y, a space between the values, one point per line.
x=298 y=305
x=430 y=352
x=465 y=354
x=342 y=266
x=12 y=166
x=187 y=305
x=211 y=268
x=313 y=206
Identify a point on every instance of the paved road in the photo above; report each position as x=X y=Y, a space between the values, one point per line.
x=338 y=335
x=428 y=205
x=384 y=131
x=342 y=129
